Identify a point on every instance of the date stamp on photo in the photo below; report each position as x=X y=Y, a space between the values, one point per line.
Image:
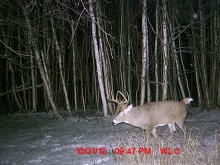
x=128 y=151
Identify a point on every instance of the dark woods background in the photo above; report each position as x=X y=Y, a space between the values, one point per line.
x=47 y=58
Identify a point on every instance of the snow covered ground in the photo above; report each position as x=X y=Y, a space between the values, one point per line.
x=38 y=139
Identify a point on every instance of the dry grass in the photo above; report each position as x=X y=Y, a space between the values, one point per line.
x=194 y=148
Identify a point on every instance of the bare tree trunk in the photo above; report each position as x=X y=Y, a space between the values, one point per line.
x=61 y=69
x=145 y=57
x=203 y=59
x=95 y=84
x=7 y=69
x=214 y=76
x=33 y=90
x=39 y=63
x=129 y=80
x=13 y=87
x=172 y=33
x=195 y=62
x=22 y=77
x=23 y=88
x=156 y=53
x=122 y=41
x=195 y=59
x=217 y=50
x=165 y=51
x=74 y=67
x=97 y=57
x=43 y=63
x=104 y=58
x=181 y=59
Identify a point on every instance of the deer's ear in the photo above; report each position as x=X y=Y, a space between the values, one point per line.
x=126 y=110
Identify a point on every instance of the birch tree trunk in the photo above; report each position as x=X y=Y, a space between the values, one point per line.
x=104 y=57
x=182 y=62
x=172 y=33
x=156 y=53
x=40 y=66
x=98 y=63
x=23 y=88
x=61 y=68
x=129 y=80
x=33 y=90
x=145 y=57
x=195 y=59
x=74 y=66
x=165 y=51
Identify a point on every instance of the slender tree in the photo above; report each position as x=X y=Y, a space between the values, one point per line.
x=61 y=67
x=174 y=49
x=145 y=56
x=156 y=53
x=164 y=50
x=74 y=65
x=98 y=62
x=203 y=58
x=44 y=75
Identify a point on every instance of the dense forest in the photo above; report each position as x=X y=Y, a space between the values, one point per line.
x=78 y=54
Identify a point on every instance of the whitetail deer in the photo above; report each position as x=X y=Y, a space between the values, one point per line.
x=154 y=114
